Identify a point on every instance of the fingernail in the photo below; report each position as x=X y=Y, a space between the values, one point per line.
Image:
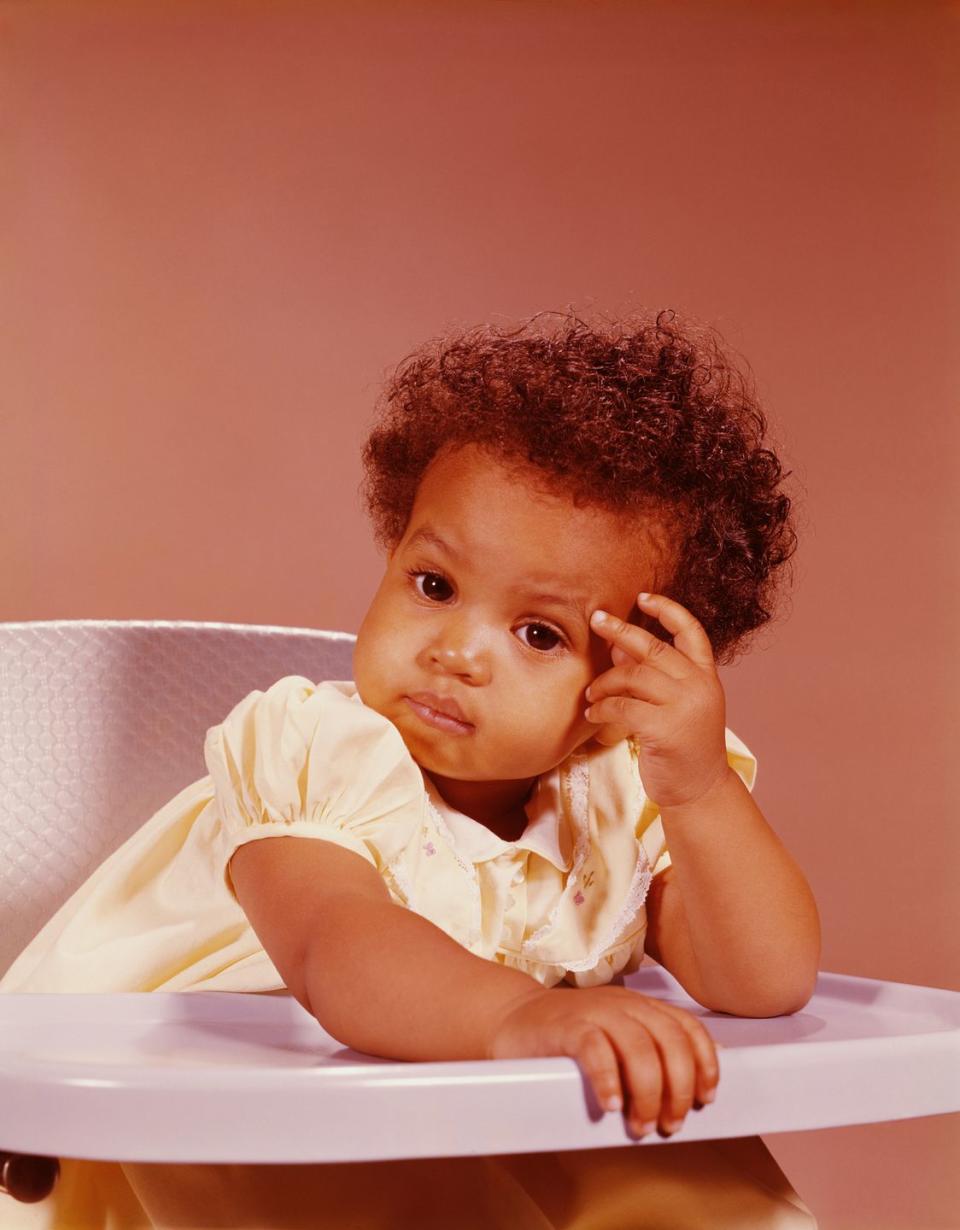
x=671 y=1126
x=613 y=1103
x=643 y=597
x=599 y=617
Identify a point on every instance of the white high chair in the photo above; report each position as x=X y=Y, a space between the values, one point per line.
x=101 y=722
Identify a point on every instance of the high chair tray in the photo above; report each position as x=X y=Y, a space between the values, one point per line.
x=222 y=1077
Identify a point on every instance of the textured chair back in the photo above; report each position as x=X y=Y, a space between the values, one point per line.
x=101 y=722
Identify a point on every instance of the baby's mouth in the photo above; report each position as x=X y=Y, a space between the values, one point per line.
x=437 y=718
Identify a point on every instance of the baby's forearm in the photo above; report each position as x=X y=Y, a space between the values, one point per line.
x=386 y=981
x=748 y=919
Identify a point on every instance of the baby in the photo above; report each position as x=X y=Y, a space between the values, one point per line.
x=528 y=783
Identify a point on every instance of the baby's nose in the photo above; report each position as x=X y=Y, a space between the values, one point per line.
x=462 y=660
x=461 y=650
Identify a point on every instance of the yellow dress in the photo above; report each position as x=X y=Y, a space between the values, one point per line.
x=564 y=902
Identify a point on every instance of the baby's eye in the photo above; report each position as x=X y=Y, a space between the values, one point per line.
x=432 y=584
x=546 y=639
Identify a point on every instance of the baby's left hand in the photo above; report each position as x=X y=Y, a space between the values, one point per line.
x=668 y=697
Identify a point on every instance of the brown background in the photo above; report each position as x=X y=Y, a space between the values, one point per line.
x=220 y=225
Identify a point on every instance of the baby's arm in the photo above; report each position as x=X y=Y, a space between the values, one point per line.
x=732 y=918
x=377 y=976
x=384 y=980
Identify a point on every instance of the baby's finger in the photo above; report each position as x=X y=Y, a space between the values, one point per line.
x=704 y=1048
x=642 y=682
x=640 y=644
x=594 y=1053
x=609 y=734
x=643 y=1075
x=678 y=1061
x=620 y=657
x=623 y=713
x=689 y=636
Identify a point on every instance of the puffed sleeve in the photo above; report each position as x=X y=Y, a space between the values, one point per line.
x=650 y=826
x=311 y=760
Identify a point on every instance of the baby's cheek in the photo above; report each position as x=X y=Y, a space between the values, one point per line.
x=571 y=727
x=366 y=676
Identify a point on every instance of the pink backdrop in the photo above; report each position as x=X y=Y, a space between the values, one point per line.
x=220 y=224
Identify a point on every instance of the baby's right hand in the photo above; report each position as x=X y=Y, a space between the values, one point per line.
x=666 y=1057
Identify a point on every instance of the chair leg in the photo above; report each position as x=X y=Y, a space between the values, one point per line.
x=28 y=1179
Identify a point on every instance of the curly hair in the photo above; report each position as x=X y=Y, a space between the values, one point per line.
x=645 y=414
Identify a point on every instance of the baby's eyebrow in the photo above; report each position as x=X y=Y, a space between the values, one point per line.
x=430 y=538
x=572 y=605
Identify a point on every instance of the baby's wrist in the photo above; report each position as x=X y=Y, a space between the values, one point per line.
x=498 y=1022
x=714 y=795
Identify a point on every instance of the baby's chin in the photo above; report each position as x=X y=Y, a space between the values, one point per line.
x=440 y=770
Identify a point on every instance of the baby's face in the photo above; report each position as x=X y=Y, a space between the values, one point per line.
x=463 y=613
